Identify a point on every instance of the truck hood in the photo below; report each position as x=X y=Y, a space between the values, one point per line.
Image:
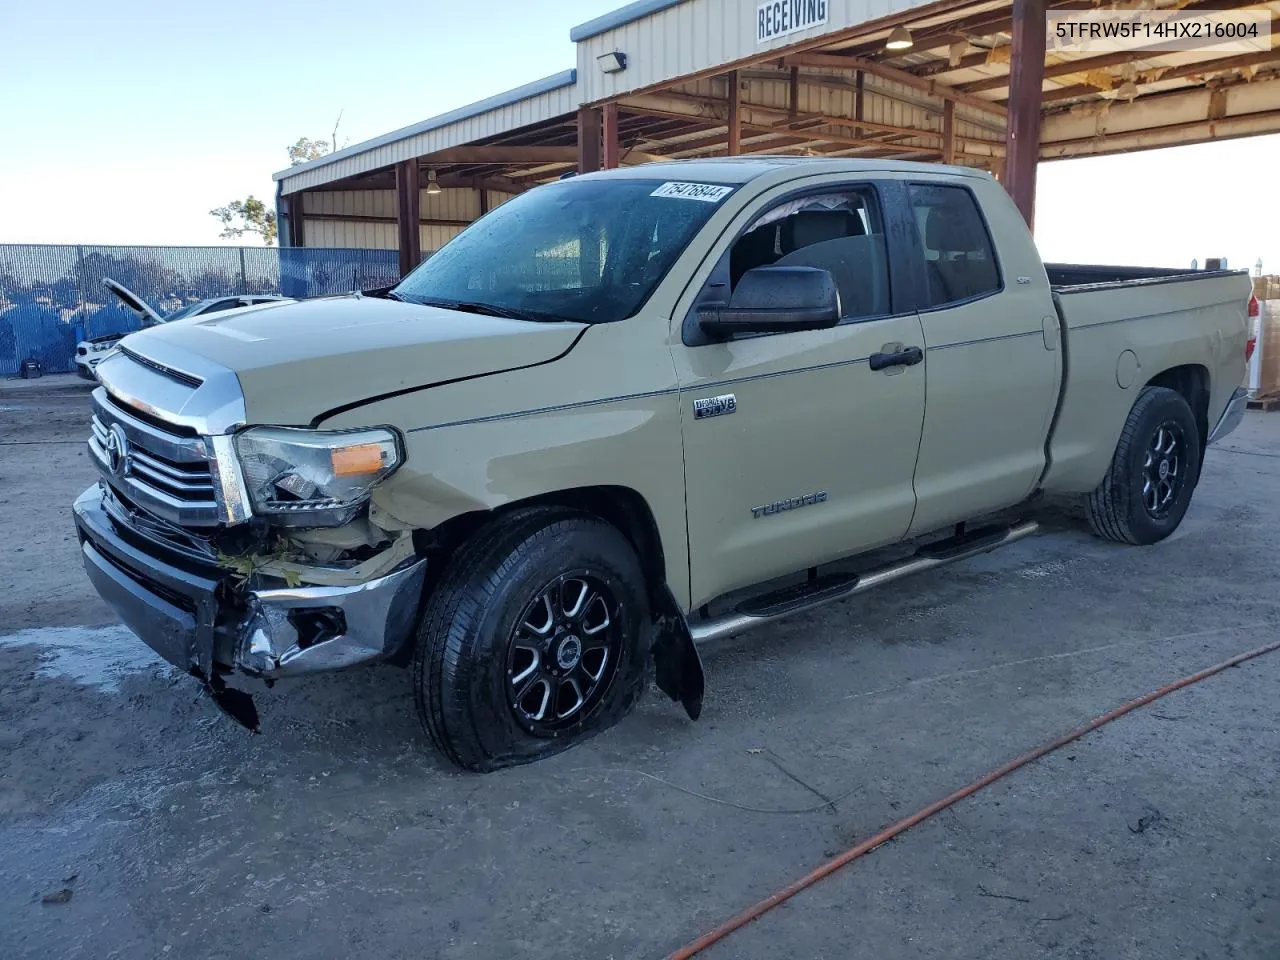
x=298 y=361
x=134 y=302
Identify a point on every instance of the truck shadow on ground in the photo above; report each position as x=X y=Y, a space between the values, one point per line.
x=64 y=734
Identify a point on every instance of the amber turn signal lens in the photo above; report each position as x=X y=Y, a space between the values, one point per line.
x=358 y=460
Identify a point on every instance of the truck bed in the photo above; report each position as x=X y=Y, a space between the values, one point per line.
x=1122 y=324
x=1067 y=275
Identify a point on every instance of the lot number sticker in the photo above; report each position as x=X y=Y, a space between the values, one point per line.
x=706 y=192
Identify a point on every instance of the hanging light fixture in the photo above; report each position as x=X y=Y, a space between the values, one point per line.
x=432 y=187
x=899 y=39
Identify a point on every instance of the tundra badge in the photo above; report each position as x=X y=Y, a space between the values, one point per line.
x=791 y=503
x=720 y=406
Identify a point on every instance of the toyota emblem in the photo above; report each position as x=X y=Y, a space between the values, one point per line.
x=118 y=451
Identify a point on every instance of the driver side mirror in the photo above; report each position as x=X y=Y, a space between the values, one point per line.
x=775 y=300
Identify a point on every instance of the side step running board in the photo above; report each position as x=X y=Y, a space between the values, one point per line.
x=832 y=587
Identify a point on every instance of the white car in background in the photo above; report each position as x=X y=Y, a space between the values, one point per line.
x=90 y=352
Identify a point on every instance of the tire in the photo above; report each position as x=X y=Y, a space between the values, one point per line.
x=480 y=634
x=1120 y=509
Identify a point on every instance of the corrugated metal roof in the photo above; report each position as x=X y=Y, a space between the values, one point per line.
x=566 y=78
x=619 y=17
x=673 y=96
x=665 y=41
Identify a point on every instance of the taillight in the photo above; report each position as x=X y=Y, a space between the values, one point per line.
x=1253 y=306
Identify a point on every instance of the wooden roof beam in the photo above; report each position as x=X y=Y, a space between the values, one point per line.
x=695 y=109
x=828 y=137
x=1162 y=111
x=689 y=106
x=690 y=136
x=715 y=139
x=491 y=182
x=502 y=153
x=939 y=67
x=994 y=22
x=930 y=109
x=719 y=144
x=1244 y=61
x=829 y=82
x=944 y=35
x=1151 y=138
x=1106 y=61
x=882 y=127
x=885 y=72
x=542 y=171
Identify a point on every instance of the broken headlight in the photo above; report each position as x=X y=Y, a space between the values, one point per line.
x=314 y=478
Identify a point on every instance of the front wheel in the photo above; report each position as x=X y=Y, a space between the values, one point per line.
x=1153 y=473
x=533 y=640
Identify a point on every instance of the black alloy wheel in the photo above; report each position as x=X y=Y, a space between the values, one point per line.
x=1153 y=473
x=535 y=638
x=564 y=653
x=1163 y=469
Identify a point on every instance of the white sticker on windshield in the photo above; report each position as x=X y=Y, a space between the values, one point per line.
x=706 y=192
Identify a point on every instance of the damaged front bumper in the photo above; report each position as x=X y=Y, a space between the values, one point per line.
x=295 y=630
x=190 y=611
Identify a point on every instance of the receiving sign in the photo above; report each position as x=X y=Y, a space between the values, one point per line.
x=778 y=18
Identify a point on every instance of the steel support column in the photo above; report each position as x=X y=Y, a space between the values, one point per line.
x=949 y=132
x=859 y=101
x=609 y=128
x=735 y=114
x=590 y=122
x=297 y=233
x=1026 y=77
x=408 y=215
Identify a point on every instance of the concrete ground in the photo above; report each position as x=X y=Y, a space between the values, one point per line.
x=136 y=821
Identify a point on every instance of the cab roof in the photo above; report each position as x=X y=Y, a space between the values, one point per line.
x=739 y=170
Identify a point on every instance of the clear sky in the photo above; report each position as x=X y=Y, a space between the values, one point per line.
x=126 y=122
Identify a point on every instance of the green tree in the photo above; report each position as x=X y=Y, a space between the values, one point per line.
x=249 y=215
x=306 y=149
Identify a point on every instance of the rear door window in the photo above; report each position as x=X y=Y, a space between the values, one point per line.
x=959 y=258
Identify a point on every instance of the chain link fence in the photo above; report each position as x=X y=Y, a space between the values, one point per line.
x=51 y=297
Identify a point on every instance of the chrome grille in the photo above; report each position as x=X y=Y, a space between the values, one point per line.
x=167 y=473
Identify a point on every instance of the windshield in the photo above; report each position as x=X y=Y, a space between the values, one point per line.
x=584 y=250
x=186 y=311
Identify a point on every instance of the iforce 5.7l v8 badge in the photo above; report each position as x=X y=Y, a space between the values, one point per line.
x=720 y=406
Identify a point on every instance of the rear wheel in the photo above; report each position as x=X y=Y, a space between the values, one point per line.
x=534 y=640
x=1153 y=473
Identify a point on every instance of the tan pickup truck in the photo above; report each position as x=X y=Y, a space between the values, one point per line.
x=628 y=412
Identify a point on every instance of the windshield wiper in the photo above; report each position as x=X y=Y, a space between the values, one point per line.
x=490 y=309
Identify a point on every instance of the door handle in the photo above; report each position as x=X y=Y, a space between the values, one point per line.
x=907 y=357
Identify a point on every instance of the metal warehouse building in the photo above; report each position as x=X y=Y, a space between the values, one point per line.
x=955 y=81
